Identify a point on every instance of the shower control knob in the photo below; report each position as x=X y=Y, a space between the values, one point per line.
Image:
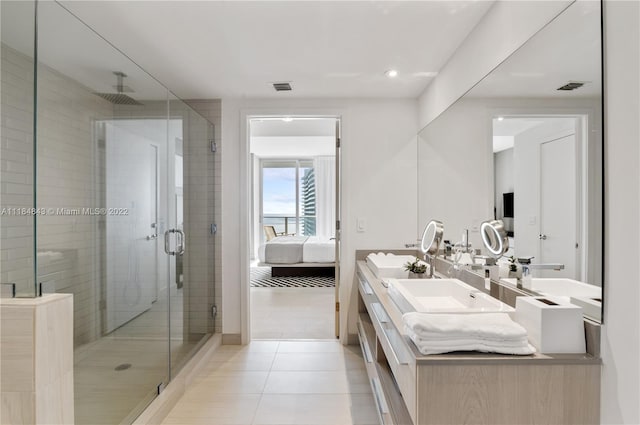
x=542 y=237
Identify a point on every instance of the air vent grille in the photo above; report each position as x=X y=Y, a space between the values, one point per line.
x=571 y=85
x=282 y=86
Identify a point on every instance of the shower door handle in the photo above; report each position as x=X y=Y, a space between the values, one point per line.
x=167 y=242
x=181 y=241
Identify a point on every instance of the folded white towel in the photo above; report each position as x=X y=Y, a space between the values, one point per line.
x=525 y=350
x=449 y=342
x=493 y=326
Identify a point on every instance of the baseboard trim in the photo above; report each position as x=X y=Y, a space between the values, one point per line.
x=160 y=407
x=231 y=339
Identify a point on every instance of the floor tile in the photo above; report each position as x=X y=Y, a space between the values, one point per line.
x=280 y=313
x=221 y=409
x=324 y=382
x=232 y=383
x=315 y=409
x=317 y=361
x=330 y=346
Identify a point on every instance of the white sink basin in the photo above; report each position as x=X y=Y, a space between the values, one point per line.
x=389 y=265
x=442 y=296
x=561 y=288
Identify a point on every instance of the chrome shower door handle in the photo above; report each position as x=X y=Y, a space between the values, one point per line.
x=166 y=242
x=542 y=237
x=181 y=241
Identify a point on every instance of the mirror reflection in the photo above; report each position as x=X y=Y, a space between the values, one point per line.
x=524 y=146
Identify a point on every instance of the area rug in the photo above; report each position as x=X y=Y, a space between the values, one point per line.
x=261 y=278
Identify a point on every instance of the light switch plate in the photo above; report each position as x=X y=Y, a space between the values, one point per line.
x=361 y=224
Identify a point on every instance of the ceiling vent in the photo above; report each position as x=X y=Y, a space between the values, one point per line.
x=571 y=85
x=282 y=86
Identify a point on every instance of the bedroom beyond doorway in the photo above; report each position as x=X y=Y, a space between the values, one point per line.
x=293 y=242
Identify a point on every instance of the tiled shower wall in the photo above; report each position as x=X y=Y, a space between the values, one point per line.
x=16 y=166
x=66 y=260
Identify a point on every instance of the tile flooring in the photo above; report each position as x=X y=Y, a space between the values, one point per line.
x=291 y=313
x=279 y=383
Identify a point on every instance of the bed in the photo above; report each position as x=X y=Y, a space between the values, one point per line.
x=298 y=256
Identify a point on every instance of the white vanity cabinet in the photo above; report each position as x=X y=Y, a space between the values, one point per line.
x=467 y=388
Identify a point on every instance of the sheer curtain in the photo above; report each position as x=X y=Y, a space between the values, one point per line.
x=325 y=170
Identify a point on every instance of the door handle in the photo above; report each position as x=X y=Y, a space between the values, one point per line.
x=542 y=237
x=181 y=241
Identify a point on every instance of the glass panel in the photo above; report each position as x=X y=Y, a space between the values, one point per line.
x=189 y=194
x=101 y=139
x=17 y=220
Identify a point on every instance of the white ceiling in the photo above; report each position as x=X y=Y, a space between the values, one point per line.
x=213 y=49
x=505 y=130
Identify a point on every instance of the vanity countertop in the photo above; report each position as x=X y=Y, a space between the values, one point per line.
x=462 y=358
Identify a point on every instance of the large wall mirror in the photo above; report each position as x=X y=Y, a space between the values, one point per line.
x=525 y=146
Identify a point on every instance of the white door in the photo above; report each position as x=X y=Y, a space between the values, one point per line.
x=131 y=210
x=558 y=200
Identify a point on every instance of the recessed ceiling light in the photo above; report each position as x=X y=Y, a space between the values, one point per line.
x=287 y=119
x=392 y=73
x=500 y=118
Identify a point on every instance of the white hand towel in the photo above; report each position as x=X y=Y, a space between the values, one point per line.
x=498 y=326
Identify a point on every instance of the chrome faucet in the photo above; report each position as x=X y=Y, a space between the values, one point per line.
x=525 y=270
x=428 y=258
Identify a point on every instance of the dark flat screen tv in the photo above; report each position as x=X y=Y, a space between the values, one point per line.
x=507 y=204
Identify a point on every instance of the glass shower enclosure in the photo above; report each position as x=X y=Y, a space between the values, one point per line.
x=106 y=179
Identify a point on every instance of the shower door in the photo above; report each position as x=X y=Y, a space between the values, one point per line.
x=189 y=233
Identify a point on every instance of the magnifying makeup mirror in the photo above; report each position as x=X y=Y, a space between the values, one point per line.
x=431 y=237
x=494 y=237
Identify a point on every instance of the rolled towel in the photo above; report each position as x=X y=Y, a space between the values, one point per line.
x=493 y=326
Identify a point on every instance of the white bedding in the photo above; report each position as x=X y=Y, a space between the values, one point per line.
x=314 y=250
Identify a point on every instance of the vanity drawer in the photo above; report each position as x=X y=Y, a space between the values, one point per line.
x=366 y=292
x=393 y=348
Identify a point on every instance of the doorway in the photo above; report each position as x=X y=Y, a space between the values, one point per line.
x=293 y=236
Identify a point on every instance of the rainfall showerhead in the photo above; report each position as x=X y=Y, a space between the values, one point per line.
x=119 y=98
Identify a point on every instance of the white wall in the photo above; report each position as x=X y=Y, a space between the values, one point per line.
x=378 y=183
x=505 y=27
x=621 y=331
x=455 y=171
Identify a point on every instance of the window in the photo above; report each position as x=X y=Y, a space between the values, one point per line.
x=289 y=196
